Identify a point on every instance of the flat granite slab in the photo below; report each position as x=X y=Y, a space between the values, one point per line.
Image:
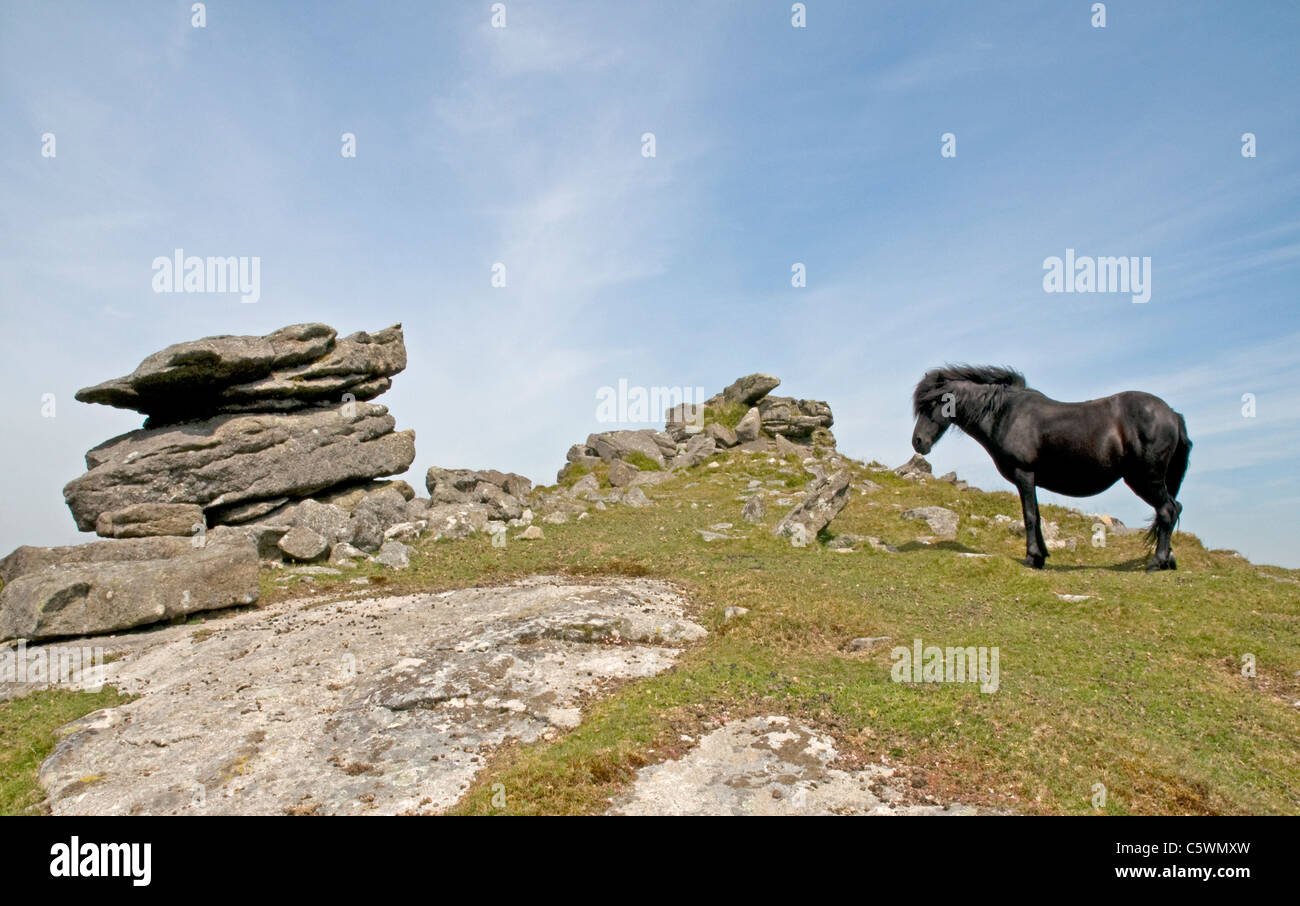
x=369 y=705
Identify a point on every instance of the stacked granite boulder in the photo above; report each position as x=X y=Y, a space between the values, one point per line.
x=744 y=416
x=253 y=449
x=238 y=427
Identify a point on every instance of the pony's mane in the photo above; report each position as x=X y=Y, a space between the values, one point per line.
x=937 y=382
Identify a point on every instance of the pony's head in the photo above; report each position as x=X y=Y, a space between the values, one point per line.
x=941 y=394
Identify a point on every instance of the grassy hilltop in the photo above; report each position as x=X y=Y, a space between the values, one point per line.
x=1138 y=688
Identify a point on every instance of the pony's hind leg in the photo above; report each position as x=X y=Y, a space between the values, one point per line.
x=1154 y=492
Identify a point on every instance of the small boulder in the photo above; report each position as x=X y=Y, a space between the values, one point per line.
x=635 y=497
x=325 y=519
x=823 y=502
x=303 y=544
x=698 y=448
x=621 y=474
x=394 y=555
x=388 y=506
x=586 y=486
x=942 y=522
x=612 y=445
x=749 y=427
x=751 y=388
x=721 y=434
x=916 y=468
x=342 y=554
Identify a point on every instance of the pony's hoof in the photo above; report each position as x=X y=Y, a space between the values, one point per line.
x=1156 y=566
x=1034 y=562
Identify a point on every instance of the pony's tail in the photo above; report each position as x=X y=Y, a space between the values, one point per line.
x=1173 y=481
x=1178 y=462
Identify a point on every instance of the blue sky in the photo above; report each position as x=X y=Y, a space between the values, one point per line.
x=774 y=145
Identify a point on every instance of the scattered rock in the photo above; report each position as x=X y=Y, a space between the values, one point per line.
x=750 y=427
x=768 y=766
x=867 y=643
x=586 y=486
x=943 y=522
x=328 y=521
x=845 y=541
x=732 y=613
x=698 y=448
x=532 y=533
x=343 y=554
x=721 y=434
x=404 y=531
x=450 y=520
x=621 y=474
x=394 y=555
x=915 y=469
x=822 y=503
x=635 y=497
x=754 y=510
x=303 y=544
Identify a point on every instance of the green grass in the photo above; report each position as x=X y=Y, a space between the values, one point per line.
x=726 y=414
x=641 y=461
x=1138 y=688
x=27 y=727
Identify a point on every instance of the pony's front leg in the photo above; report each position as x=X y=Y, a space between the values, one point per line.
x=1035 y=548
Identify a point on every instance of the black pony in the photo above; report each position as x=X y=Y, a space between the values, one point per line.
x=1079 y=449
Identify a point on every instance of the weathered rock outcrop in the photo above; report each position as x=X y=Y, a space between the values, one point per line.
x=112 y=585
x=296 y=366
x=232 y=460
x=693 y=431
x=502 y=494
x=789 y=417
x=239 y=427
